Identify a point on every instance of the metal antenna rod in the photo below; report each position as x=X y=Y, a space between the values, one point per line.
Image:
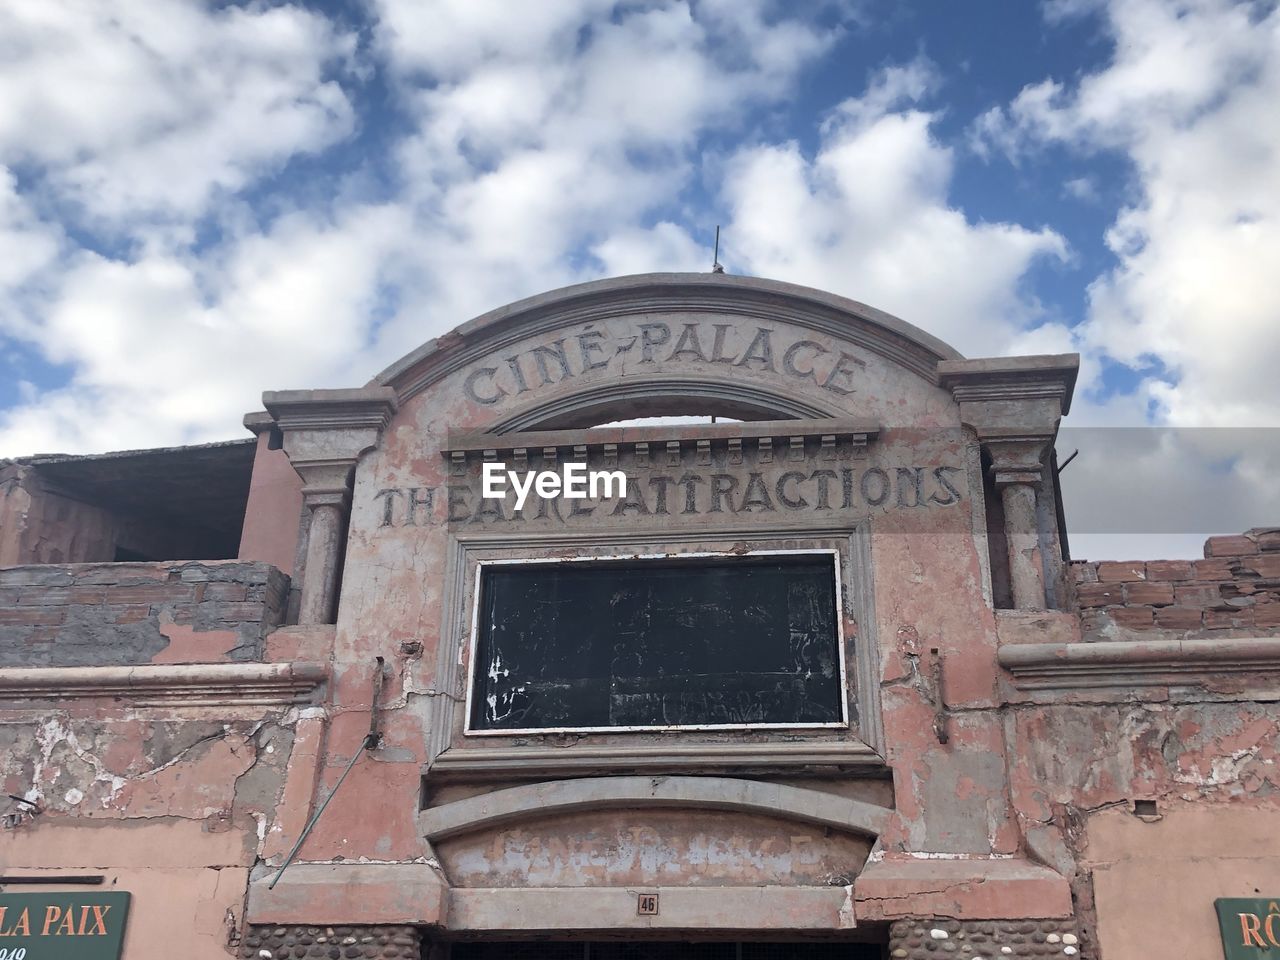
x=715 y=257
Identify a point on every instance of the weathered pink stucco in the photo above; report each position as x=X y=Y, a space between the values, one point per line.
x=995 y=749
x=272 y=515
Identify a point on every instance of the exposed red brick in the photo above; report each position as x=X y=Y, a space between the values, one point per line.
x=1233 y=545
x=44 y=596
x=238 y=611
x=1212 y=570
x=1152 y=594
x=1179 y=618
x=1267 y=615
x=1169 y=570
x=223 y=591
x=1132 y=618
x=1114 y=571
x=1198 y=595
x=1228 y=619
x=1100 y=594
x=60 y=596
x=150 y=593
x=1266 y=565
x=30 y=616
x=1084 y=572
x=131 y=613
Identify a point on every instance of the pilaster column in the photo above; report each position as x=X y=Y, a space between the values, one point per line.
x=1016 y=469
x=1014 y=405
x=327 y=495
x=325 y=433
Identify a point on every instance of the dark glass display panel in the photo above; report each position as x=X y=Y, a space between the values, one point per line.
x=652 y=643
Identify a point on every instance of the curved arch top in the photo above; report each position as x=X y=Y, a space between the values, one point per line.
x=595 y=793
x=652 y=293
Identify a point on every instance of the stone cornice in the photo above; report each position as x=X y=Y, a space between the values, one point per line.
x=258 y=422
x=167 y=685
x=365 y=407
x=1043 y=377
x=1065 y=666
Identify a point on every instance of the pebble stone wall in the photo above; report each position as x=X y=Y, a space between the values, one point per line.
x=983 y=939
x=395 y=942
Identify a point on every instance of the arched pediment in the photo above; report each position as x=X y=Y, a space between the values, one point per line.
x=655 y=311
x=596 y=793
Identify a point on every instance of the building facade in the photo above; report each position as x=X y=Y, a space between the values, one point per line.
x=817 y=681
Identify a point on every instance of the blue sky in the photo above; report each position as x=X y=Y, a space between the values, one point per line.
x=202 y=201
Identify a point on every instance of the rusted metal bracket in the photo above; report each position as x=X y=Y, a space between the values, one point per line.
x=371 y=741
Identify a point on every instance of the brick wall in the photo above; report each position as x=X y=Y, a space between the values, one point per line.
x=1233 y=591
x=113 y=614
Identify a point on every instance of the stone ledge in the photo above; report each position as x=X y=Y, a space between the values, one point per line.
x=489 y=762
x=1136 y=663
x=348 y=893
x=984 y=889
x=167 y=685
x=679 y=908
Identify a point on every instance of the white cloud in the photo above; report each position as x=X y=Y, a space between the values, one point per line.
x=869 y=216
x=665 y=247
x=131 y=107
x=566 y=130
x=1188 y=97
x=26 y=244
x=546 y=137
x=158 y=360
x=557 y=141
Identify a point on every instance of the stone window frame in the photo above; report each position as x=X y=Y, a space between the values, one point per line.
x=469 y=679
x=856 y=744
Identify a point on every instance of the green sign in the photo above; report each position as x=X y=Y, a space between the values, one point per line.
x=62 y=926
x=1250 y=928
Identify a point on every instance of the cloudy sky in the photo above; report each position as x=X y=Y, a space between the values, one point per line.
x=202 y=201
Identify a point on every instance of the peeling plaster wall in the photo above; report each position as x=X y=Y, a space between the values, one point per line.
x=187 y=881
x=1155 y=880
x=652 y=847
x=1077 y=770
x=175 y=809
x=929 y=583
x=38 y=525
x=273 y=514
x=996 y=795
x=1201 y=746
